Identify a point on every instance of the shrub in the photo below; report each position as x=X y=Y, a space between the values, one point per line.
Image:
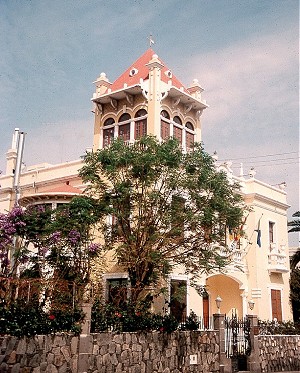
x=108 y=317
x=20 y=319
x=278 y=327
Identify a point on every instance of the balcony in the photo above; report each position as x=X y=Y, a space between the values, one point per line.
x=277 y=260
x=236 y=257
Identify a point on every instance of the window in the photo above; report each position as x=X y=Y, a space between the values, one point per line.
x=164 y=125
x=124 y=129
x=271 y=232
x=140 y=125
x=177 y=120
x=178 y=299
x=276 y=304
x=177 y=131
x=108 y=133
x=165 y=114
x=178 y=134
x=108 y=136
x=124 y=117
x=189 y=137
x=117 y=291
x=109 y=122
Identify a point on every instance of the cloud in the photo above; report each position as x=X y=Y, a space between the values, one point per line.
x=252 y=89
x=58 y=142
x=252 y=76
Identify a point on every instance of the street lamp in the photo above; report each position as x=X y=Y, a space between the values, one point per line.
x=251 y=304
x=218 y=303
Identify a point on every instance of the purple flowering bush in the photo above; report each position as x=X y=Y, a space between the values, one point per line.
x=41 y=242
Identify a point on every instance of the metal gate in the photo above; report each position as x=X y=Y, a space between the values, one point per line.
x=237 y=341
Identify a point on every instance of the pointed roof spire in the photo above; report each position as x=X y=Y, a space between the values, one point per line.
x=139 y=70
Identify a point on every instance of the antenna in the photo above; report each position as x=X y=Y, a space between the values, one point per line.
x=151 y=40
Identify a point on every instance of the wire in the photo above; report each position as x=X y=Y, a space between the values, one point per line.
x=259 y=156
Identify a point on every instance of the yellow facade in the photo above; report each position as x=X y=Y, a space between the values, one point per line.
x=148 y=99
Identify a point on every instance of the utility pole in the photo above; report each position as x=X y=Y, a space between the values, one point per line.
x=19 y=141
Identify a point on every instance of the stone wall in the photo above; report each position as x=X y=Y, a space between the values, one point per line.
x=179 y=352
x=49 y=353
x=279 y=353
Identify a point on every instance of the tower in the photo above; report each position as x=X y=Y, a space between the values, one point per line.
x=147 y=99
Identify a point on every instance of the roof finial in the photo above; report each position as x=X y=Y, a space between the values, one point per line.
x=151 y=41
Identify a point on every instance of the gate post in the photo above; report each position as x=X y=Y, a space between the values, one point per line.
x=253 y=359
x=219 y=325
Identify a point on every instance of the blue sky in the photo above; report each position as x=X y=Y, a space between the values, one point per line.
x=244 y=53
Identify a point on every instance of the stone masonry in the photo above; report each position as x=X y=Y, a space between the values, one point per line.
x=153 y=352
x=178 y=352
x=279 y=353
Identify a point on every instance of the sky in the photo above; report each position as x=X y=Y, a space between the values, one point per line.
x=245 y=55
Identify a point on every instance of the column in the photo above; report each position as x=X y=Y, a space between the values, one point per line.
x=219 y=325
x=253 y=361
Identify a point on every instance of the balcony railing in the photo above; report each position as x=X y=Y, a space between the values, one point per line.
x=277 y=259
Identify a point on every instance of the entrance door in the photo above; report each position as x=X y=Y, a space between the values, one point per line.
x=206 y=310
x=276 y=304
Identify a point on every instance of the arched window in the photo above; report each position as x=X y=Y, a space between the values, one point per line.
x=108 y=133
x=140 y=124
x=189 y=126
x=164 y=125
x=108 y=122
x=124 y=117
x=165 y=114
x=124 y=129
x=177 y=131
x=177 y=120
x=189 y=136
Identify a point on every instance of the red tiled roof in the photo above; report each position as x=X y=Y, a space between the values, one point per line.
x=143 y=72
x=65 y=188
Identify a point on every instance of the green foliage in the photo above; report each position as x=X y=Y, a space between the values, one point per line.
x=191 y=322
x=278 y=328
x=22 y=319
x=169 y=208
x=295 y=293
x=295 y=224
x=129 y=318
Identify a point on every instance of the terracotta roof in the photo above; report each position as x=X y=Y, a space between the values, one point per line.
x=143 y=72
x=65 y=188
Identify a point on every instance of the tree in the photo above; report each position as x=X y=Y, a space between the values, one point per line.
x=295 y=224
x=295 y=272
x=294 y=293
x=51 y=244
x=166 y=208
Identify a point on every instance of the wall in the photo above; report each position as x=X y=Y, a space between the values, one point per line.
x=139 y=353
x=279 y=353
x=110 y=352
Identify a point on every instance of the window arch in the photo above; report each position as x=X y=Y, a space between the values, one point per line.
x=124 y=129
x=165 y=114
x=124 y=117
x=164 y=125
x=177 y=120
x=108 y=122
x=108 y=133
x=189 y=126
x=140 y=128
x=140 y=113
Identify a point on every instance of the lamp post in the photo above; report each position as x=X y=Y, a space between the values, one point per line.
x=218 y=303
x=251 y=304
